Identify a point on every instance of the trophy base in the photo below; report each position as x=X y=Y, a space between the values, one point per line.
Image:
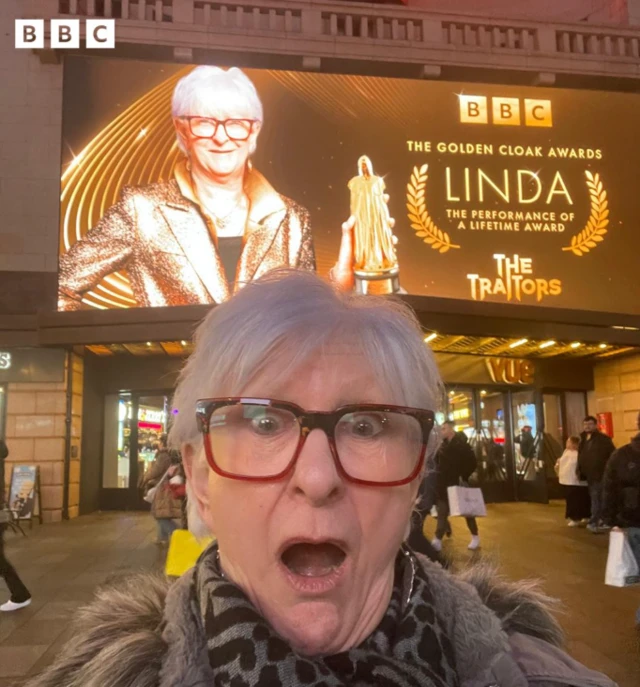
x=378 y=283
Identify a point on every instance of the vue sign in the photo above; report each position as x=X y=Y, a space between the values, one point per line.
x=511 y=371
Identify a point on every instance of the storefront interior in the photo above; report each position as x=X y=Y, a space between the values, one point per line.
x=130 y=446
x=517 y=435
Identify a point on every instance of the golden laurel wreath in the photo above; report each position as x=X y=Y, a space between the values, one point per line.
x=424 y=226
x=595 y=229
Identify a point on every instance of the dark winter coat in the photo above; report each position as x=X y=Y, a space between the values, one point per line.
x=141 y=633
x=622 y=486
x=593 y=455
x=455 y=462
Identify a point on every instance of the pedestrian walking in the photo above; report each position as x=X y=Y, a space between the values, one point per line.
x=425 y=502
x=594 y=452
x=576 y=491
x=165 y=507
x=456 y=462
x=20 y=596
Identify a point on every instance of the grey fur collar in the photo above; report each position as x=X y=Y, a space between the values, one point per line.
x=132 y=634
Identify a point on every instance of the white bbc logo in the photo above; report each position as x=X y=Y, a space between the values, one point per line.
x=65 y=33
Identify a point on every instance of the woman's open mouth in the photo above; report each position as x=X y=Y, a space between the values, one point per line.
x=314 y=567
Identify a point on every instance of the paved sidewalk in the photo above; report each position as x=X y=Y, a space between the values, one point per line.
x=63 y=563
x=532 y=541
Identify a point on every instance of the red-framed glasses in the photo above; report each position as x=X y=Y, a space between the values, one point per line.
x=207 y=127
x=260 y=439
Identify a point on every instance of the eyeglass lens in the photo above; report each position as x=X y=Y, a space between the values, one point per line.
x=260 y=441
x=236 y=129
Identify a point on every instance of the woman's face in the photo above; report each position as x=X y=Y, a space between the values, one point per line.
x=218 y=156
x=256 y=523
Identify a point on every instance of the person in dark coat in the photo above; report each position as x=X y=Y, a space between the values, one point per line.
x=594 y=452
x=456 y=462
x=622 y=485
x=19 y=594
x=622 y=493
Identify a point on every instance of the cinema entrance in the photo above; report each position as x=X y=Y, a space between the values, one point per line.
x=517 y=436
x=517 y=428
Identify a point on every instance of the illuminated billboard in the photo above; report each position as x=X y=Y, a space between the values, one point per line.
x=179 y=184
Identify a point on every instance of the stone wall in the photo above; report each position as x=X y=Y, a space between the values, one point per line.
x=594 y=11
x=30 y=144
x=617 y=390
x=35 y=431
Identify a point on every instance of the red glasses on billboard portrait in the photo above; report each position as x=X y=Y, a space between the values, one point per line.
x=260 y=439
x=207 y=127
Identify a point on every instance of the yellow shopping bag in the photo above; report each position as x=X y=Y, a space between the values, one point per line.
x=183 y=553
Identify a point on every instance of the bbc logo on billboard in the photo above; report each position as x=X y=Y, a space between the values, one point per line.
x=65 y=33
x=475 y=109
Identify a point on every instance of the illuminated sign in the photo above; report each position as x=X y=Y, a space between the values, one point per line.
x=515 y=280
x=517 y=210
x=505 y=111
x=460 y=414
x=510 y=371
x=5 y=360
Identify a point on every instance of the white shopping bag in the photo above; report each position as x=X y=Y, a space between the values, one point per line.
x=623 y=569
x=467 y=502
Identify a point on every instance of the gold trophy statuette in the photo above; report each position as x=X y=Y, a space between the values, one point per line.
x=375 y=262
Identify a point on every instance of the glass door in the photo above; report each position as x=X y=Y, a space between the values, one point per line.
x=133 y=426
x=529 y=466
x=494 y=447
x=553 y=440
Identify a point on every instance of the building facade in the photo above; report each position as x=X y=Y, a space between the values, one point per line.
x=468 y=109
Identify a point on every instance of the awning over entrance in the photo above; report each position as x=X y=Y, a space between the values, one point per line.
x=489 y=346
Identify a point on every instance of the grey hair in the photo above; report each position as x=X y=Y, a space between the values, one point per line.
x=195 y=92
x=277 y=323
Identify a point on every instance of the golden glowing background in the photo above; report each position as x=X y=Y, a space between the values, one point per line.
x=139 y=147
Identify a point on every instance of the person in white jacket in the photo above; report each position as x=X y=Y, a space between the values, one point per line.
x=576 y=491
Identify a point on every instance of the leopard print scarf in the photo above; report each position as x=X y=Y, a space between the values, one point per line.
x=409 y=648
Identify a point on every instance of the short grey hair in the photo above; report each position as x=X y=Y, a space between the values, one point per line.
x=282 y=320
x=276 y=323
x=227 y=88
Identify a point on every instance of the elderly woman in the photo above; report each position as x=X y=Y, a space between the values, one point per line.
x=214 y=226
x=305 y=418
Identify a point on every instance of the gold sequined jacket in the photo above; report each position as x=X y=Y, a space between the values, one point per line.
x=162 y=237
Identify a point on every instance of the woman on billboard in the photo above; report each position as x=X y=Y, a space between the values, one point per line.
x=215 y=225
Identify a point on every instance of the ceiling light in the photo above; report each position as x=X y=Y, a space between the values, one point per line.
x=547 y=344
x=576 y=344
x=431 y=337
x=184 y=343
x=148 y=343
x=483 y=393
x=603 y=345
x=515 y=344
